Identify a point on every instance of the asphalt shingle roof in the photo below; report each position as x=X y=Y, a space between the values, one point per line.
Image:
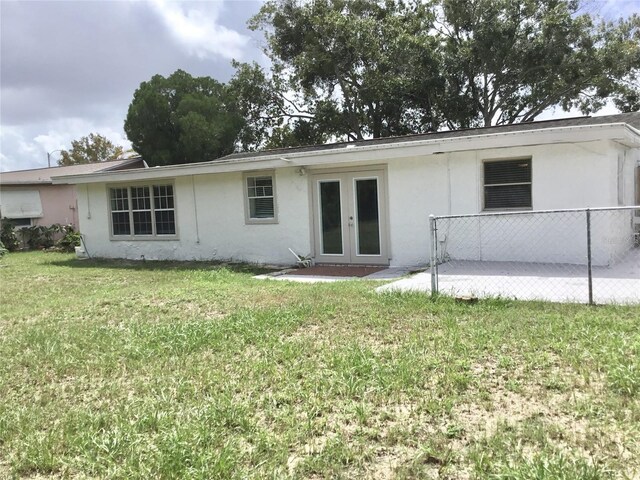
x=43 y=175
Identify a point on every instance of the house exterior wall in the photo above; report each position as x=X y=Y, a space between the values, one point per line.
x=211 y=221
x=58 y=203
x=563 y=176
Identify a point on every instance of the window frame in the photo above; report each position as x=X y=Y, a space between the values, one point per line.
x=142 y=237
x=20 y=227
x=248 y=220
x=485 y=185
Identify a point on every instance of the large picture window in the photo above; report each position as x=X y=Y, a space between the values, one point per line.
x=507 y=184
x=142 y=211
x=260 y=199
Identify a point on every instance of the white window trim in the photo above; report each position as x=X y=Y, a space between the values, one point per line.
x=484 y=185
x=245 y=195
x=154 y=236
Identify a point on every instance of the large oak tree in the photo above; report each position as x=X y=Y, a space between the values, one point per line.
x=366 y=68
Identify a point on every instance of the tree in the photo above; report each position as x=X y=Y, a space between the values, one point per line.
x=510 y=60
x=90 y=149
x=350 y=67
x=182 y=119
x=372 y=68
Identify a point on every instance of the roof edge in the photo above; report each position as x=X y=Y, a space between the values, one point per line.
x=225 y=164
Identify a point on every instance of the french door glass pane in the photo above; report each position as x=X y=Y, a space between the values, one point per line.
x=331 y=223
x=368 y=218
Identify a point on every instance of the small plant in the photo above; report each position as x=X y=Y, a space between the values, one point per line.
x=70 y=240
x=8 y=235
x=2 y=249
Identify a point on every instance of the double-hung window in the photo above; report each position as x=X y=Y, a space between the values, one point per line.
x=260 y=198
x=507 y=184
x=142 y=211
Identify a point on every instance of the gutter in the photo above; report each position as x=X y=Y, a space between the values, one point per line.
x=283 y=159
x=25 y=183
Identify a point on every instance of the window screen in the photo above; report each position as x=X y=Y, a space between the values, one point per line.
x=507 y=184
x=260 y=195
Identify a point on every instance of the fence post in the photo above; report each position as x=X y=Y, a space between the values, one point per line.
x=433 y=231
x=590 y=279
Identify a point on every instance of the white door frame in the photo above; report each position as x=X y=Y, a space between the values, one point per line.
x=348 y=208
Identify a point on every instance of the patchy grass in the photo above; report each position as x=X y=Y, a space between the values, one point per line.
x=161 y=370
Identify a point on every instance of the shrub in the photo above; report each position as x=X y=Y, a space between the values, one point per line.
x=2 y=249
x=8 y=235
x=39 y=236
x=70 y=240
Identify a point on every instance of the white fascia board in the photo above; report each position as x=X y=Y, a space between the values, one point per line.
x=174 y=171
x=619 y=132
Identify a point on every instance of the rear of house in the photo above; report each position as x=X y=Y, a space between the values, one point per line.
x=365 y=202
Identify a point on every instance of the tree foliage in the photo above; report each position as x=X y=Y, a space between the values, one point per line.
x=352 y=69
x=348 y=68
x=90 y=149
x=182 y=119
x=510 y=60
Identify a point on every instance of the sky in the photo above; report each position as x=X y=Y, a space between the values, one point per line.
x=70 y=68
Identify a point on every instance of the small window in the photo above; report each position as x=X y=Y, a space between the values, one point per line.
x=260 y=199
x=20 y=222
x=507 y=184
x=142 y=211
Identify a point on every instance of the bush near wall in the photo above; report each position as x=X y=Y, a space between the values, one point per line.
x=8 y=235
x=38 y=237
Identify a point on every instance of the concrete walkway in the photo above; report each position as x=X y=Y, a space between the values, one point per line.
x=619 y=284
x=392 y=273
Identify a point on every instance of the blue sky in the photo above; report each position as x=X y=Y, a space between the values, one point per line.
x=69 y=68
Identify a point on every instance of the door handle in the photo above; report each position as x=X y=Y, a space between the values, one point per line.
x=351 y=221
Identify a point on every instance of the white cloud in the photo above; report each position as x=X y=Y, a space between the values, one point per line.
x=22 y=150
x=198 y=30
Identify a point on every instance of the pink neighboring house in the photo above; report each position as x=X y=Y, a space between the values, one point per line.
x=28 y=197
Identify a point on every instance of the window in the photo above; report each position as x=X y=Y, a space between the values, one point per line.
x=20 y=222
x=260 y=199
x=507 y=184
x=144 y=211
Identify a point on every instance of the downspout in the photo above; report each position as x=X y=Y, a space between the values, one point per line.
x=86 y=188
x=195 y=208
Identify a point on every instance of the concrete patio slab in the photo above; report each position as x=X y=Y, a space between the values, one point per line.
x=618 y=284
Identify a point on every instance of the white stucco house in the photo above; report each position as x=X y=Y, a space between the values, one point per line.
x=364 y=202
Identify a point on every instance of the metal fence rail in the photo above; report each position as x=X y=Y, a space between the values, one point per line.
x=589 y=255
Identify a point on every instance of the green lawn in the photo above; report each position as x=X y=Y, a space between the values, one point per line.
x=146 y=370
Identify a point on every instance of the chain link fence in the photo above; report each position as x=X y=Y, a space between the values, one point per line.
x=578 y=255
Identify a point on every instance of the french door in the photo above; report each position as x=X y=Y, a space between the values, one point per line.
x=350 y=218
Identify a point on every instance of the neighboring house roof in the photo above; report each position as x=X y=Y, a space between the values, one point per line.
x=622 y=128
x=44 y=175
x=632 y=119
